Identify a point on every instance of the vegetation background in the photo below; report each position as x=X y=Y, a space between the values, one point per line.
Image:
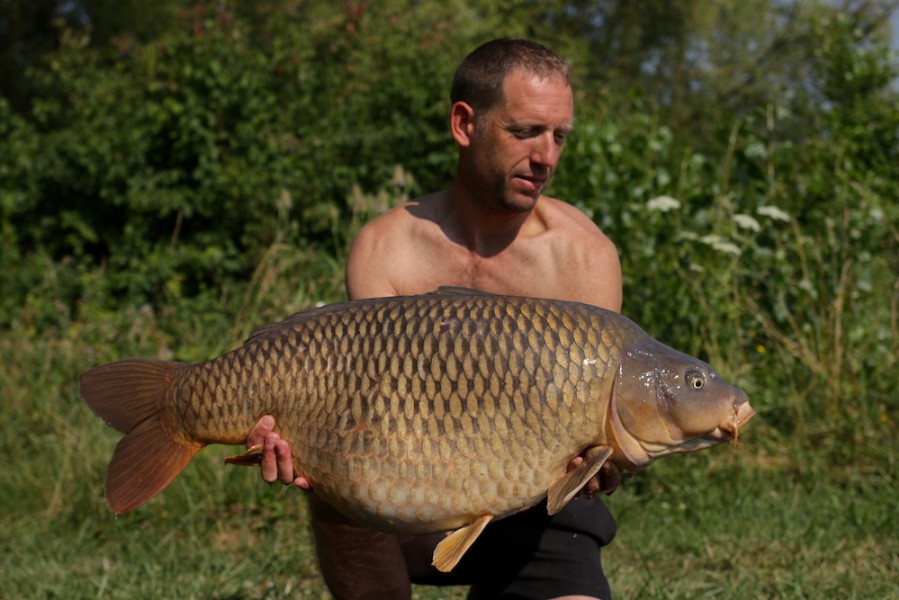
x=174 y=174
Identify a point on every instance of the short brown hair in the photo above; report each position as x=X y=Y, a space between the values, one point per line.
x=479 y=77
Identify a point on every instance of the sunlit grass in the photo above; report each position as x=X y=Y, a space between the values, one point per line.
x=749 y=525
x=802 y=513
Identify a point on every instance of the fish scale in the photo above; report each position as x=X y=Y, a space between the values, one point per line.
x=424 y=413
x=451 y=340
x=441 y=398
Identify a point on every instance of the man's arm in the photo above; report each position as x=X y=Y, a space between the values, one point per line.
x=366 y=276
x=595 y=278
x=588 y=262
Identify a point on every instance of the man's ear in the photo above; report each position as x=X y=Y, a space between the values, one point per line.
x=462 y=123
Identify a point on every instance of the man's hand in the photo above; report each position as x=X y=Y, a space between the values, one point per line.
x=606 y=481
x=277 y=462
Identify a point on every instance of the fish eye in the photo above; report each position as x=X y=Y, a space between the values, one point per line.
x=695 y=379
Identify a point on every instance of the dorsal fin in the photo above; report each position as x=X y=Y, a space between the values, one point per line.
x=458 y=290
x=277 y=328
x=274 y=329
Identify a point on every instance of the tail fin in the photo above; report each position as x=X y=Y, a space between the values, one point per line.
x=128 y=395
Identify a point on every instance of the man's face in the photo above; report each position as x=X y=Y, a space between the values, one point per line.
x=517 y=144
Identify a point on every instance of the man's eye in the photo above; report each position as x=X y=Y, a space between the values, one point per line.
x=560 y=138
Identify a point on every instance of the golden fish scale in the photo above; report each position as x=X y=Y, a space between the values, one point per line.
x=418 y=413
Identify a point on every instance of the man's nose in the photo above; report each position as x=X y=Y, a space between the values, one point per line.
x=546 y=150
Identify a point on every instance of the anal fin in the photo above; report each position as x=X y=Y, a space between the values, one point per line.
x=251 y=458
x=450 y=550
x=566 y=487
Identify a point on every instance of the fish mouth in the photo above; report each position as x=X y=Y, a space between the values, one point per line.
x=741 y=415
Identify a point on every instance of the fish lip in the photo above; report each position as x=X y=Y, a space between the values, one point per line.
x=742 y=414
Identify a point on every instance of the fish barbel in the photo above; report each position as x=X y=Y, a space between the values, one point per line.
x=426 y=413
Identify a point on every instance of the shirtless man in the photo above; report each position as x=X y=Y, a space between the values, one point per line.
x=493 y=230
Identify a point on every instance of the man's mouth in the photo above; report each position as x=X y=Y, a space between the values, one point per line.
x=531 y=181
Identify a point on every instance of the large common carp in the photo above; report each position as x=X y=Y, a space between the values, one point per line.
x=425 y=413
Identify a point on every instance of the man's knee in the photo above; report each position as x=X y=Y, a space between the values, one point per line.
x=357 y=563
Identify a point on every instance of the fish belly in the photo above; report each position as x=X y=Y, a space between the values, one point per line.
x=420 y=416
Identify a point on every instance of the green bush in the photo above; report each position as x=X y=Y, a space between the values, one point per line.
x=175 y=166
x=164 y=196
x=776 y=261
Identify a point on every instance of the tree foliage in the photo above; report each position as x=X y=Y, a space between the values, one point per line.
x=174 y=174
x=174 y=165
x=742 y=155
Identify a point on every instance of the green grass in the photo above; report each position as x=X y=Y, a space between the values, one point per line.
x=809 y=513
x=739 y=524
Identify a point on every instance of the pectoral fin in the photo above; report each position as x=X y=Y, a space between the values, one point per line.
x=251 y=458
x=449 y=551
x=566 y=487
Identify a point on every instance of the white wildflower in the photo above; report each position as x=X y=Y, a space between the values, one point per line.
x=773 y=213
x=747 y=222
x=721 y=244
x=756 y=150
x=663 y=204
x=806 y=285
x=728 y=248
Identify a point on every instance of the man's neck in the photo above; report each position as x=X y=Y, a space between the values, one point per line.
x=481 y=230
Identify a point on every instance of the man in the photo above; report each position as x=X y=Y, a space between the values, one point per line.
x=492 y=230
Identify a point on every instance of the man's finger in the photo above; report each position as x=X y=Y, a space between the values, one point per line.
x=284 y=461
x=610 y=477
x=302 y=483
x=261 y=430
x=269 y=464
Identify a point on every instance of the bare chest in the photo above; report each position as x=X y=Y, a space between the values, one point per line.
x=513 y=272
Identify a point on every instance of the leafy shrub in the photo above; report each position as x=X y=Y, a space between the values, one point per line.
x=175 y=166
x=777 y=260
x=226 y=164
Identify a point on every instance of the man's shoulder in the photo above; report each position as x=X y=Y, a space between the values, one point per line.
x=567 y=219
x=584 y=258
x=394 y=235
x=392 y=248
x=403 y=218
x=382 y=233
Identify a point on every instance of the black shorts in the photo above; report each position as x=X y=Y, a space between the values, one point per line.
x=532 y=556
